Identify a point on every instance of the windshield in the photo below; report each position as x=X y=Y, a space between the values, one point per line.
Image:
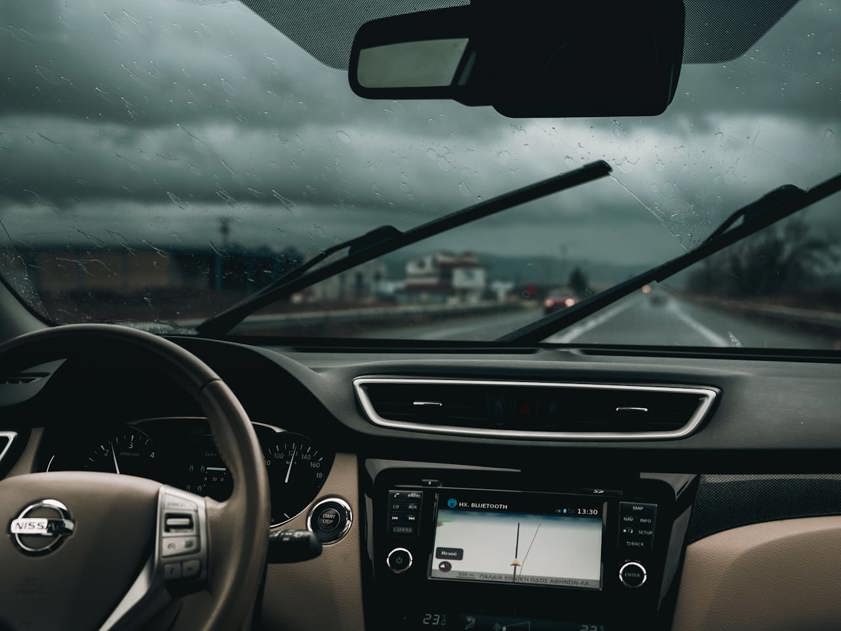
x=164 y=159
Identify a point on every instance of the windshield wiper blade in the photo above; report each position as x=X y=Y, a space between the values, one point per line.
x=778 y=204
x=356 y=244
x=387 y=239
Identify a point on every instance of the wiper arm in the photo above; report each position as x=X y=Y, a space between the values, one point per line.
x=388 y=239
x=383 y=233
x=770 y=208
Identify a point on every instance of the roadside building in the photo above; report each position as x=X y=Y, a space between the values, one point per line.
x=445 y=277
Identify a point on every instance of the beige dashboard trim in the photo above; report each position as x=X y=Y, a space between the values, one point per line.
x=773 y=576
x=325 y=592
x=26 y=461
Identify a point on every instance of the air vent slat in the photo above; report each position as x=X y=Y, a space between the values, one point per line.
x=535 y=409
x=21 y=379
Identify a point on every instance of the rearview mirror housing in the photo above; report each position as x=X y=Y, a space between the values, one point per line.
x=531 y=58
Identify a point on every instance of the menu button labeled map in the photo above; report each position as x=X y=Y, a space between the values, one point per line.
x=456 y=554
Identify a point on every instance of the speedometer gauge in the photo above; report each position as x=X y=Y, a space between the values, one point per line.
x=297 y=470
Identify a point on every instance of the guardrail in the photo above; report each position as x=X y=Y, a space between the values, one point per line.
x=329 y=322
x=815 y=318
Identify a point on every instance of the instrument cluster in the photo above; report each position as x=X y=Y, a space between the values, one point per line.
x=181 y=452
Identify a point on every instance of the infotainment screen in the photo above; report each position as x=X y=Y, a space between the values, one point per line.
x=529 y=538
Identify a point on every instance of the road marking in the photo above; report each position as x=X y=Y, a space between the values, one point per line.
x=454 y=332
x=590 y=323
x=711 y=336
x=444 y=334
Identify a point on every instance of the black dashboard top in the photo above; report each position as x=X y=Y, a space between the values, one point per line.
x=771 y=416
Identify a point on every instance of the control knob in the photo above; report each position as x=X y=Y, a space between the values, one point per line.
x=632 y=575
x=399 y=560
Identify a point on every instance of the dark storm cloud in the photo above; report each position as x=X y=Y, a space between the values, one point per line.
x=142 y=64
x=792 y=70
x=158 y=117
x=315 y=190
x=165 y=62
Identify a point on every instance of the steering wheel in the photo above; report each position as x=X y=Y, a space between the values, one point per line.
x=87 y=550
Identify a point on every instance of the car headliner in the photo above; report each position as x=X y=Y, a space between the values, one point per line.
x=715 y=31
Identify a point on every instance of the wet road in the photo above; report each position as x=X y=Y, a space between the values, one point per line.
x=636 y=320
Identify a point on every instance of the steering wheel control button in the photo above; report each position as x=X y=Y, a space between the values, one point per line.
x=632 y=575
x=174 y=546
x=191 y=568
x=399 y=560
x=179 y=523
x=174 y=503
x=330 y=519
x=181 y=555
x=172 y=571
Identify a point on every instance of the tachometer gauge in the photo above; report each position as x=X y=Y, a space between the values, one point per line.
x=297 y=470
x=129 y=451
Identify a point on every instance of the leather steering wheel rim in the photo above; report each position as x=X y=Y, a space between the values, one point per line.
x=236 y=534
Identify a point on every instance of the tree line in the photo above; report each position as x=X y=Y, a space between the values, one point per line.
x=787 y=260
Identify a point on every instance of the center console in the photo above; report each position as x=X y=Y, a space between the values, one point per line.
x=467 y=549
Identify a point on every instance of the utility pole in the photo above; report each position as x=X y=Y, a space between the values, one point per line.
x=224 y=231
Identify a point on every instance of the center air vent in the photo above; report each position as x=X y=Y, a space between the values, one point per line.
x=517 y=409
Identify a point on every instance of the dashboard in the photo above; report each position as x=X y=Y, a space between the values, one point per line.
x=459 y=548
x=180 y=452
x=452 y=511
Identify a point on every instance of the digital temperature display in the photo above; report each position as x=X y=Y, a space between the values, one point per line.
x=434 y=620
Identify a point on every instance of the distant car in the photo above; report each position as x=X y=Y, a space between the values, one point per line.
x=557 y=301
x=654 y=297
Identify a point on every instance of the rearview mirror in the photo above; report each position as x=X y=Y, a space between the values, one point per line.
x=527 y=58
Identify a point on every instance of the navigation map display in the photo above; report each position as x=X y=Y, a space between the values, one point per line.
x=534 y=539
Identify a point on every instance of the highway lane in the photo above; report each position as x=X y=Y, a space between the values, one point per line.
x=484 y=327
x=640 y=320
x=637 y=319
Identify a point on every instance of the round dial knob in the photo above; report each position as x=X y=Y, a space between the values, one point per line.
x=399 y=560
x=633 y=575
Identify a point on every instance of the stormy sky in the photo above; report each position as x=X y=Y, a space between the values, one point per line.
x=133 y=121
